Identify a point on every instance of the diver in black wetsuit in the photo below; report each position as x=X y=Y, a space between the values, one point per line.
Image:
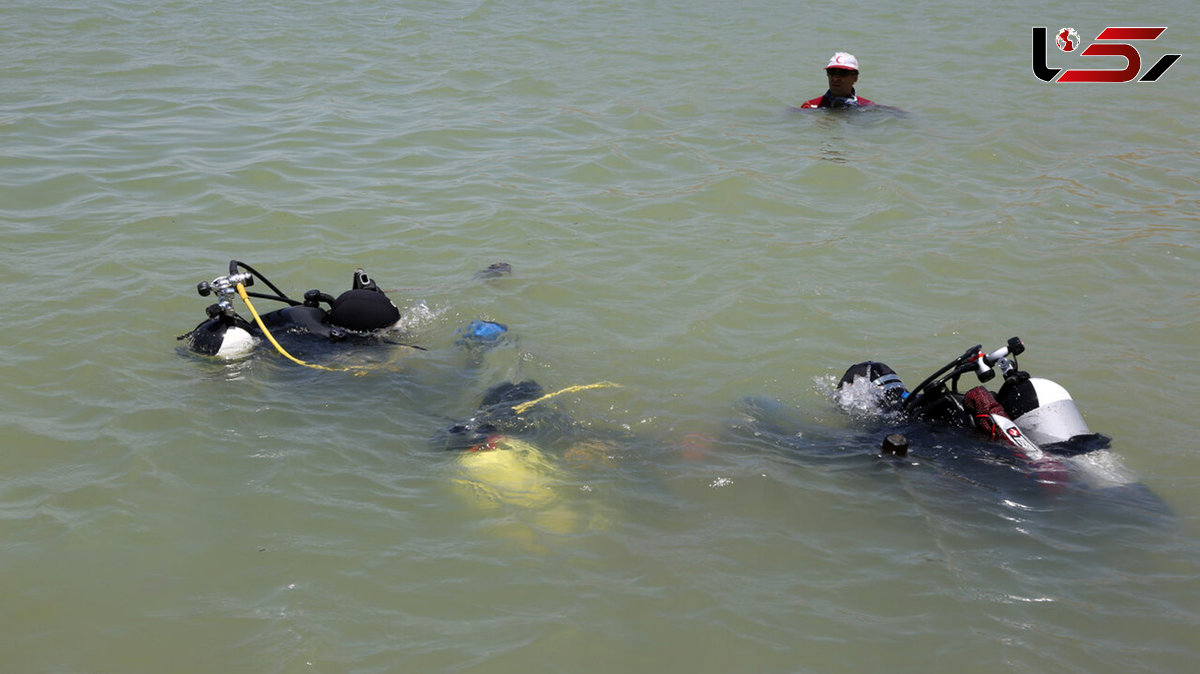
x=363 y=313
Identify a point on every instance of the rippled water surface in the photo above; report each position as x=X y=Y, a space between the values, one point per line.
x=673 y=228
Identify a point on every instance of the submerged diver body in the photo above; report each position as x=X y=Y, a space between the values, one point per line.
x=888 y=445
x=520 y=454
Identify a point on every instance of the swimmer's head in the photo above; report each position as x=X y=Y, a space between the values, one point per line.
x=842 y=73
x=469 y=433
x=494 y=416
x=883 y=382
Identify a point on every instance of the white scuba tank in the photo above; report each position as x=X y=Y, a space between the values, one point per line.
x=1043 y=409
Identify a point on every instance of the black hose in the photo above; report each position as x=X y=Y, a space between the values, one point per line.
x=279 y=295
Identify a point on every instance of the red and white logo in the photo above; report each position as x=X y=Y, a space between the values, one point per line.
x=1067 y=39
x=1112 y=41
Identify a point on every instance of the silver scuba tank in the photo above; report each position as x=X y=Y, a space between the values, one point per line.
x=1043 y=409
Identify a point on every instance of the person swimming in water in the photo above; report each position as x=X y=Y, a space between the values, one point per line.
x=842 y=73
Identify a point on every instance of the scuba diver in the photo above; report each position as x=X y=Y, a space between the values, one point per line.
x=1029 y=415
x=1026 y=435
x=496 y=465
x=362 y=313
x=519 y=454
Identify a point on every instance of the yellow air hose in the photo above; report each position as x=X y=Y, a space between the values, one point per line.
x=523 y=407
x=241 y=290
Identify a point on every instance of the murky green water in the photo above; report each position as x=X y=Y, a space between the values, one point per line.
x=674 y=228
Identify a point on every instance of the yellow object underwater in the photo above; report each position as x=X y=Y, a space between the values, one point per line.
x=524 y=491
x=508 y=471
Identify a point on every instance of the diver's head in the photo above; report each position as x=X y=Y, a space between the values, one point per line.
x=363 y=309
x=469 y=433
x=511 y=394
x=494 y=416
x=886 y=383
